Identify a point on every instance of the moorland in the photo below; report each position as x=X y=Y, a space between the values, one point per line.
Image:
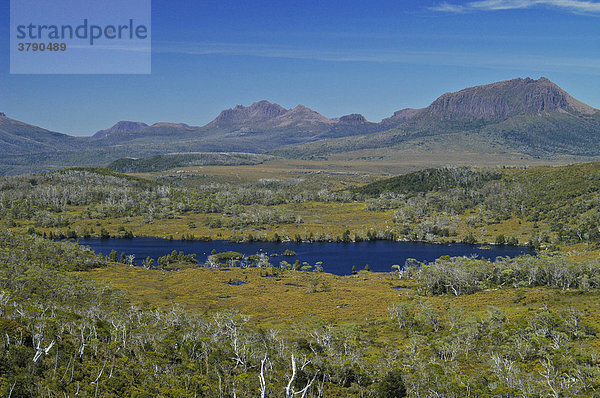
x=504 y=164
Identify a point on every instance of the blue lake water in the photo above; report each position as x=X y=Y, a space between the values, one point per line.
x=337 y=258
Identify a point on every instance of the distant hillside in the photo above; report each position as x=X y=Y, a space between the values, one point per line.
x=19 y=138
x=258 y=128
x=170 y=161
x=431 y=180
x=546 y=192
x=534 y=117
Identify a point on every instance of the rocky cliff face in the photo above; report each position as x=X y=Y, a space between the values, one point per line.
x=506 y=99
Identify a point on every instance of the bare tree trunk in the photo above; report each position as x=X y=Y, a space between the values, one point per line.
x=289 y=390
x=261 y=378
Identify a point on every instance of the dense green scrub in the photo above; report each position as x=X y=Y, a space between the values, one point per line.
x=167 y=162
x=564 y=199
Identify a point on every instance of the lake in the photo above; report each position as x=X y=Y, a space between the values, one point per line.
x=337 y=258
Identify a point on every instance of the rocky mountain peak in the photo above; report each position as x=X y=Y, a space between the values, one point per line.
x=121 y=127
x=506 y=99
x=301 y=114
x=301 y=109
x=353 y=118
x=267 y=107
x=405 y=113
x=258 y=111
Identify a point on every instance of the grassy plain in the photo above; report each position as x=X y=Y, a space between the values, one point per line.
x=293 y=298
x=353 y=167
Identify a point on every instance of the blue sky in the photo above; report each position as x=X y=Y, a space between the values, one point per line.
x=336 y=57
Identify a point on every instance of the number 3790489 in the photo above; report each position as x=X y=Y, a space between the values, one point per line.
x=42 y=46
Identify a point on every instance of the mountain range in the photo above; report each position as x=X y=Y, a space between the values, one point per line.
x=533 y=117
x=260 y=127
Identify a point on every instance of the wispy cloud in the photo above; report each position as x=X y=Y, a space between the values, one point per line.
x=577 y=6
x=447 y=7
x=540 y=63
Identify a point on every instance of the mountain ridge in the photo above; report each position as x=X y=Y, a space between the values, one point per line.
x=498 y=100
x=523 y=115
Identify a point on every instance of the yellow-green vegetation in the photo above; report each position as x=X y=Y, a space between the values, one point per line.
x=276 y=298
x=75 y=323
x=318 y=218
x=273 y=297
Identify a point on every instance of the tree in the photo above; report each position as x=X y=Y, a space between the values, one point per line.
x=319 y=266
x=500 y=240
x=113 y=256
x=470 y=239
x=392 y=385
x=148 y=262
x=346 y=237
x=104 y=234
